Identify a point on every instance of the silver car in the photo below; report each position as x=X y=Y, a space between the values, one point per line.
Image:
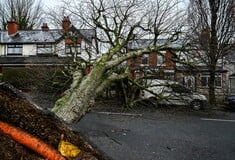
x=173 y=93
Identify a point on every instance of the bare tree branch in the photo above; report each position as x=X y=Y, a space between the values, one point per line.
x=28 y=13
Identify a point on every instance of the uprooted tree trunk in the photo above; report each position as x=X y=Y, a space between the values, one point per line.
x=79 y=98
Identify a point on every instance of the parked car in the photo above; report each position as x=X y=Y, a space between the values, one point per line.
x=173 y=93
x=230 y=101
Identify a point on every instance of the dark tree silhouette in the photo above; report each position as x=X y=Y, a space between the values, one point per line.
x=211 y=32
x=27 y=13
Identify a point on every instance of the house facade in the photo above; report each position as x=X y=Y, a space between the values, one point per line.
x=45 y=46
x=230 y=66
x=161 y=65
x=154 y=64
x=197 y=79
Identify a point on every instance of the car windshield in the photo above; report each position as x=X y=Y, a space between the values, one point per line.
x=180 y=89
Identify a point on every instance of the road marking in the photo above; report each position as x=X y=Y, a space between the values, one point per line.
x=117 y=113
x=218 y=120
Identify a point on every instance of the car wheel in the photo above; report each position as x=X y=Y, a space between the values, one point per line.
x=153 y=101
x=196 y=104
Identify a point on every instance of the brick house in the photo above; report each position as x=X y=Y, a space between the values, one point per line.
x=230 y=66
x=160 y=66
x=197 y=79
x=156 y=64
x=196 y=75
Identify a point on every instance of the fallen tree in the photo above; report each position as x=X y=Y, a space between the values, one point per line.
x=116 y=24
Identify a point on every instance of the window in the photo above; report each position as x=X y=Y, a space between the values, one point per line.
x=44 y=49
x=169 y=75
x=88 y=48
x=137 y=75
x=218 y=80
x=14 y=49
x=145 y=60
x=232 y=84
x=73 y=48
x=205 y=80
x=161 y=58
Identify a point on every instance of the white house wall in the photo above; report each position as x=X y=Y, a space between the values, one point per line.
x=29 y=50
x=60 y=50
x=92 y=51
x=84 y=53
x=2 y=50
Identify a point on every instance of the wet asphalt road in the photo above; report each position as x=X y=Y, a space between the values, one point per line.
x=162 y=135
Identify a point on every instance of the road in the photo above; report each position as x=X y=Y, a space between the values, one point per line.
x=162 y=135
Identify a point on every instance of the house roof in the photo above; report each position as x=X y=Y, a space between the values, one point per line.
x=39 y=36
x=31 y=36
x=89 y=34
x=142 y=43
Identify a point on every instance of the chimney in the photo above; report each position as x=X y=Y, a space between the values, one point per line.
x=12 y=27
x=45 y=27
x=66 y=24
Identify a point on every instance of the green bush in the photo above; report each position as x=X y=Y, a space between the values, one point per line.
x=18 y=77
x=43 y=79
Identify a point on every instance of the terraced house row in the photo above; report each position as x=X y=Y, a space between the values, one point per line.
x=55 y=47
x=46 y=46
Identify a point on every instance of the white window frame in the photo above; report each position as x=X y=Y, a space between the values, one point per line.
x=44 y=49
x=220 y=83
x=73 y=48
x=161 y=58
x=207 y=76
x=14 y=50
x=145 y=58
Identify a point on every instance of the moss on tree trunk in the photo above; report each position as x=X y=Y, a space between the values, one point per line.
x=76 y=101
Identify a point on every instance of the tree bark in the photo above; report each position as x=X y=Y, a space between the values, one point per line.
x=213 y=51
x=212 y=100
x=77 y=100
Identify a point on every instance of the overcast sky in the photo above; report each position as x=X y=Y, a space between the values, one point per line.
x=51 y=3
